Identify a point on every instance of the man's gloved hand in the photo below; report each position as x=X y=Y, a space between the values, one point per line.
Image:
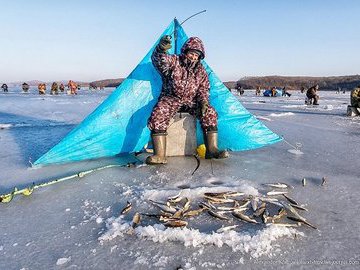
x=165 y=43
x=204 y=107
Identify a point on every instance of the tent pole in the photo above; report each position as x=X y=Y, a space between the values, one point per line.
x=175 y=35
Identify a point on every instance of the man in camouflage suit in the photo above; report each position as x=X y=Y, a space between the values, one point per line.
x=186 y=88
x=312 y=95
x=54 y=89
x=355 y=97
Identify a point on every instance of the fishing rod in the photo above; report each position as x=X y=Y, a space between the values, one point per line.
x=193 y=16
x=174 y=32
x=27 y=191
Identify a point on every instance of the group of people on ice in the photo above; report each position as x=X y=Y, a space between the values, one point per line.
x=55 y=88
x=72 y=88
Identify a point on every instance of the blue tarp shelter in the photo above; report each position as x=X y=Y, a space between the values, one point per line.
x=119 y=124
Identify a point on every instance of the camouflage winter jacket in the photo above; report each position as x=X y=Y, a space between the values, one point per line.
x=188 y=84
x=311 y=92
x=355 y=97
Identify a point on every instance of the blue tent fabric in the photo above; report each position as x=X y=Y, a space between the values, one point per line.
x=119 y=124
x=267 y=93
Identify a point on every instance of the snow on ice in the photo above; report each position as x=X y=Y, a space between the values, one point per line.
x=77 y=223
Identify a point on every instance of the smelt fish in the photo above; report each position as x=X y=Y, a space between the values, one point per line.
x=126 y=209
x=260 y=210
x=215 y=194
x=303 y=181
x=218 y=200
x=274 y=192
x=164 y=207
x=206 y=205
x=176 y=223
x=176 y=198
x=290 y=199
x=277 y=185
x=302 y=221
x=166 y=218
x=217 y=215
x=234 y=194
x=229 y=208
x=254 y=204
x=243 y=217
x=300 y=207
x=324 y=181
x=186 y=205
x=136 y=220
x=193 y=213
x=178 y=213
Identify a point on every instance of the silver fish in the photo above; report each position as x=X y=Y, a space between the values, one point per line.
x=292 y=210
x=206 y=205
x=126 y=209
x=243 y=217
x=300 y=207
x=260 y=210
x=323 y=181
x=275 y=192
x=215 y=194
x=136 y=220
x=218 y=200
x=175 y=198
x=178 y=213
x=229 y=208
x=302 y=221
x=192 y=213
x=164 y=207
x=217 y=215
x=166 y=218
x=234 y=194
x=281 y=214
x=176 y=223
x=186 y=205
x=303 y=181
x=254 y=203
x=290 y=199
x=277 y=185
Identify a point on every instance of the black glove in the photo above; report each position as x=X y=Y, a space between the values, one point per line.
x=204 y=107
x=165 y=43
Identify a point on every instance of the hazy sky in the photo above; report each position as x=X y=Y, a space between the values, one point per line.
x=91 y=40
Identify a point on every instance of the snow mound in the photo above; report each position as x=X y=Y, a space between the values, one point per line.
x=281 y=114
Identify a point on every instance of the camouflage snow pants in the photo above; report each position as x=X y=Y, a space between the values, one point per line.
x=167 y=107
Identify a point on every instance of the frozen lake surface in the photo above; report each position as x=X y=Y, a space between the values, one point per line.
x=76 y=224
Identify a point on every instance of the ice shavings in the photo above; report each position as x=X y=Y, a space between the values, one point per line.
x=257 y=245
x=281 y=114
x=62 y=261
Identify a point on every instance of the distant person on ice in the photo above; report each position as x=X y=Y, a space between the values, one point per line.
x=312 y=96
x=73 y=87
x=25 y=87
x=42 y=88
x=285 y=92
x=355 y=97
x=4 y=87
x=54 y=89
x=62 y=87
x=273 y=91
x=185 y=87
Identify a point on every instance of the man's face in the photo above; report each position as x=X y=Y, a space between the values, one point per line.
x=192 y=56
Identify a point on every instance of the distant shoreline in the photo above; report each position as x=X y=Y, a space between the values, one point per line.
x=264 y=82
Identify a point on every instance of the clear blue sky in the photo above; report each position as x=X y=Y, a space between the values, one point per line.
x=90 y=40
